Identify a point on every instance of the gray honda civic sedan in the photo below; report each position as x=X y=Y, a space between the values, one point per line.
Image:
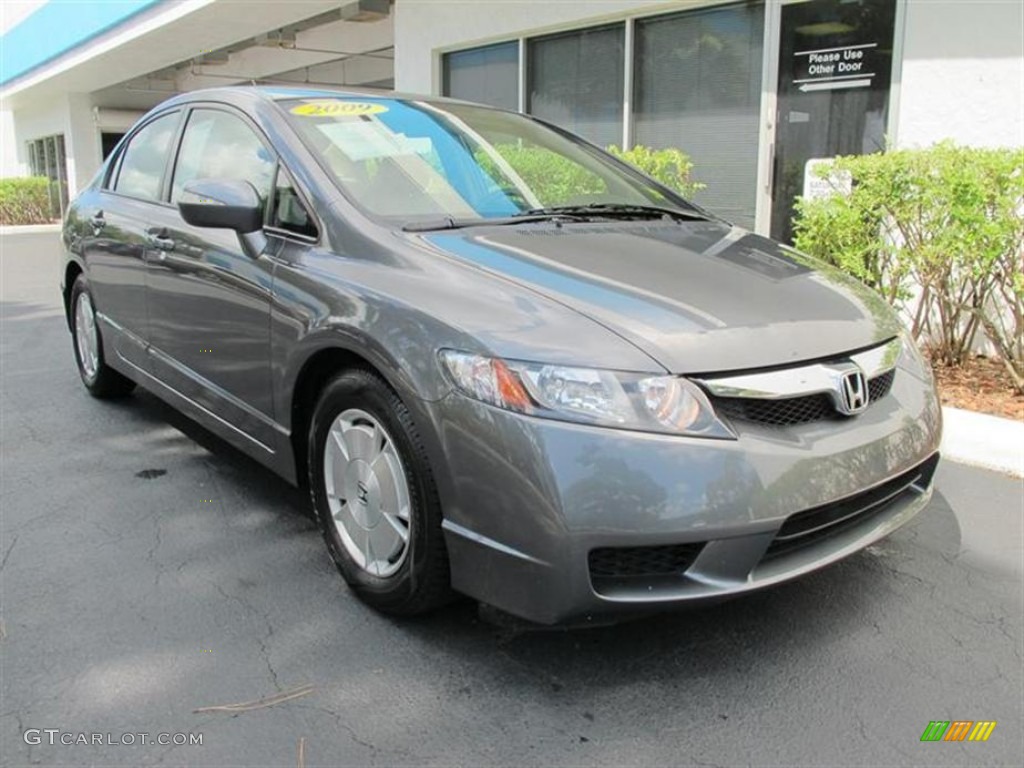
x=504 y=363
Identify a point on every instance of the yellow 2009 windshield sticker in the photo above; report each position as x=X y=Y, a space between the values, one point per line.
x=338 y=108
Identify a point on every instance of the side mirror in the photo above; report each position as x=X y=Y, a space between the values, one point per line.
x=222 y=203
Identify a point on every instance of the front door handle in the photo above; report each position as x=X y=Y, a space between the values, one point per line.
x=97 y=221
x=158 y=239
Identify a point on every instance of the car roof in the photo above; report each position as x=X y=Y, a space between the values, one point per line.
x=278 y=93
x=275 y=93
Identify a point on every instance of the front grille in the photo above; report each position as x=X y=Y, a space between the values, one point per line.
x=813 y=525
x=789 y=411
x=628 y=562
x=879 y=386
x=777 y=413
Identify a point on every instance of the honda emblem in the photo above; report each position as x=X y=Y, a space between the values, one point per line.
x=853 y=393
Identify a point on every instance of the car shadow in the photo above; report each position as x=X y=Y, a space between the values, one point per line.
x=231 y=464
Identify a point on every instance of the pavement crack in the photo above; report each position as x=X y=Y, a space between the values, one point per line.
x=265 y=653
x=931 y=586
x=7 y=554
x=344 y=726
x=21 y=732
x=262 y=642
x=112 y=538
x=151 y=554
x=703 y=764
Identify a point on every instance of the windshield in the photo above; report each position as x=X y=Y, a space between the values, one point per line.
x=411 y=161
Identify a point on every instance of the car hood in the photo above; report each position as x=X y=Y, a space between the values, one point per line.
x=698 y=297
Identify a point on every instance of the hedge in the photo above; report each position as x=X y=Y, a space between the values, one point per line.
x=25 y=201
x=671 y=167
x=938 y=231
x=558 y=180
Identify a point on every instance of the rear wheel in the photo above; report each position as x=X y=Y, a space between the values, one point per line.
x=375 y=498
x=100 y=379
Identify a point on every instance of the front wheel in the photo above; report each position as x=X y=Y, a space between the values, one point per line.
x=375 y=497
x=100 y=379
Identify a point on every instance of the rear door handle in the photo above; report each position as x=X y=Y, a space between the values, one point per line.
x=97 y=221
x=158 y=239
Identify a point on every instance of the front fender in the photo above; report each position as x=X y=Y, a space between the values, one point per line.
x=406 y=381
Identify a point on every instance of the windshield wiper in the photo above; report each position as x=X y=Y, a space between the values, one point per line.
x=449 y=222
x=619 y=210
x=561 y=213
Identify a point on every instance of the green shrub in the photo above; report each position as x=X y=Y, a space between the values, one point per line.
x=25 y=201
x=557 y=180
x=671 y=167
x=947 y=222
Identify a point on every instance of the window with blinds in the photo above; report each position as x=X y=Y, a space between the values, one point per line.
x=487 y=75
x=697 y=87
x=576 y=82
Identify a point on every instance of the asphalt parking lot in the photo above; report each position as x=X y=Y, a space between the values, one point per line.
x=148 y=570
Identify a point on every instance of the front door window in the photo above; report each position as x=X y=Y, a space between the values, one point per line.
x=219 y=145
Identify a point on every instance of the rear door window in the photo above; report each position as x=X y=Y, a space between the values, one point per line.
x=142 y=164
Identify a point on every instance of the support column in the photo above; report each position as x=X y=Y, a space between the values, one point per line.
x=81 y=142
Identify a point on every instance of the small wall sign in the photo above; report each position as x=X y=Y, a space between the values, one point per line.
x=832 y=183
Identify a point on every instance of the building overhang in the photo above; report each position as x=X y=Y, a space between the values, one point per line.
x=156 y=36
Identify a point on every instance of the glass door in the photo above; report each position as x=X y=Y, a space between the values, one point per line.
x=835 y=71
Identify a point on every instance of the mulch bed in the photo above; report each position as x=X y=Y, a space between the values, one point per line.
x=982 y=385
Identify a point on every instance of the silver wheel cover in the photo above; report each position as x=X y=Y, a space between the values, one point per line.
x=86 y=337
x=367 y=492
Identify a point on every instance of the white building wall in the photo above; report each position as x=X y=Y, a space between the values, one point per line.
x=12 y=13
x=71 y=115
x=963 y=73
x=9 y=163
x=36 y=121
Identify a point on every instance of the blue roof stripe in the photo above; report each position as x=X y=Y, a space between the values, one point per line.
x=58 y=27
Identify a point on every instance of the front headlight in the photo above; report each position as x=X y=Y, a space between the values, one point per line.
x=668 y=404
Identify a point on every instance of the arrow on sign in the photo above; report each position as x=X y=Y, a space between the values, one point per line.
x=834 y=85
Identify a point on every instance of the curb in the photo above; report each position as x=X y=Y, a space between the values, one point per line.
x=983 y=441
x=28 y=229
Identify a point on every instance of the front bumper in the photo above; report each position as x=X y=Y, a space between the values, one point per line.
x=528 y=502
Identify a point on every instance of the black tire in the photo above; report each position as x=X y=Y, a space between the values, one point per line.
x=104 y=382
x=422 y=582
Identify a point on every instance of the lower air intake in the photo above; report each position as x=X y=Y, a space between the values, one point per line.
x=631 y=562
